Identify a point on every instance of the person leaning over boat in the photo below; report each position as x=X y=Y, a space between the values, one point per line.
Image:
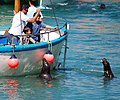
x=39 y=25
x=19 y=21
x=32 y=9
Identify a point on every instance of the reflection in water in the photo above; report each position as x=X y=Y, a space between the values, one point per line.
x=22 y=88
x=96 y=23
x=11 y=87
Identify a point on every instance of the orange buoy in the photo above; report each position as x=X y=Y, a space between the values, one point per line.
x=13 y=61
x=49 y=57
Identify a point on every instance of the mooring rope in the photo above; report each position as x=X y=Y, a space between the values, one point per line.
x=55 y=15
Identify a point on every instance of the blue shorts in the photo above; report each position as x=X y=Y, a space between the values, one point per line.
x=11 y=38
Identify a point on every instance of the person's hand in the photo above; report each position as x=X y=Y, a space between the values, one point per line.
x=55 y=29
x=6 y=31
x=38 y=10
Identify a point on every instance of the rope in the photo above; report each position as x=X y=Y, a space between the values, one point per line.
x=54 y=12
x=54 y=15
x=13 y=45
x=49 y=44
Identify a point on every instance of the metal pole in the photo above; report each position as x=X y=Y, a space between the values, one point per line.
x=65 y=51
x=40 y=3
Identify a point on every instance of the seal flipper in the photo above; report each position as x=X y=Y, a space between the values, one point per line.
x=45 y=71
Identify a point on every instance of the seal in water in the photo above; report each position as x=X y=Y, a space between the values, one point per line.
x=108 y=74
x=45 y=71
x=102 y=6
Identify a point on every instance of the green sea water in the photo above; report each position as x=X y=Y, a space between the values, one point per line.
x=93 y=35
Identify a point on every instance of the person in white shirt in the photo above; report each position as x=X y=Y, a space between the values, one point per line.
x=38 y=25
x=20 y=19
x=32 y=9
x=19 y=22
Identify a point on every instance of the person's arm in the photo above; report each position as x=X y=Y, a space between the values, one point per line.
x=51 y=28
x=34 y=18
x=32 y=40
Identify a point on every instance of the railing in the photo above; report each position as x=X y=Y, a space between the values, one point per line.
x=12 y=38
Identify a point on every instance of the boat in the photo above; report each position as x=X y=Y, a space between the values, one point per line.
x=26 y=59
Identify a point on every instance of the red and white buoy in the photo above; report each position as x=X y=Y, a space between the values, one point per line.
x=13 y=61
x=49 y=57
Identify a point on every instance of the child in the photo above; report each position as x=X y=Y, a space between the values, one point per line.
x=26 y=36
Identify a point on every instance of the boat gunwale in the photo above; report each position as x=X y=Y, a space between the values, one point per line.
x=27 y=47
